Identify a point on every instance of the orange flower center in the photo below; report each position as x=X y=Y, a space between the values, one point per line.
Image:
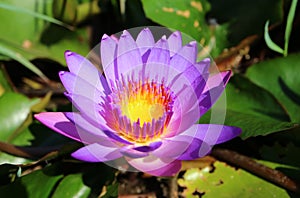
x=139 y=112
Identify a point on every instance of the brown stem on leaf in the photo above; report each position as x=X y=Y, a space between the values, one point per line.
x=256 y=168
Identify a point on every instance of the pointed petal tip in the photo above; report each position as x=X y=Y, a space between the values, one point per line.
x=192 y=43
x=227 y=76
x=125 y=33
x=176 y=33
x=68 y=53
x=68 y=95
x=37 y=116
x=146 y=29
x=104 y=37
x=61 y=73
x=205 y=61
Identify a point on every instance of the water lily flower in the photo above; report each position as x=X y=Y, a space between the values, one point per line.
x=144 y=107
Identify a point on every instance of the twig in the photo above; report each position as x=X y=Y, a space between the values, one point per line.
x=26 y=152
x=256 y=168
x=173 y=187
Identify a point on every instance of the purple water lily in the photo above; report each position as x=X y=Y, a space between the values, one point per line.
x=144 y=106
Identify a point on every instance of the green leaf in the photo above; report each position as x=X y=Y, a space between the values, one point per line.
x=253 y=126
x=71 y=186
x=251 y=108
x=112 y=191
x=188 y=17
x=283 y=154
x=29 y=12
x=224 y=181
x=4 y=50
x=280 y=77
x=40 y=39
x=3 y=82
x=289 y=26
x=269 y=42
x=14 y=109
x=36 y=184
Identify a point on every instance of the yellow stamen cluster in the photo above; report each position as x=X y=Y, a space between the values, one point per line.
x=139 y=112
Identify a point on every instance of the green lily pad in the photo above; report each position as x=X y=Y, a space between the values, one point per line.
x=225 y=181
x=280 y=77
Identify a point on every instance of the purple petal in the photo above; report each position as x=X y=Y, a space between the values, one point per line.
x=151 y=147
x=174 y=42
x=116 y=137
x=186 y=107
x=90 y=112
x=190 y=103
x=97 y=153
x=157 y=66
x=213 y=90
x=169 y=170
x=185 y=120
x=88 y=132
x=155 y=166
x=217 y=80
x=212 y=133
x=196 y=149
x=159 y=54
x=196 y=141
x=199 y=81
x=129 y=152
x=83 y=68
x=188 y=87
x=108 y=54
x=77 y=85
x=173 y=147
x=145 y=40
x=185 y=57
x=203 y=66
x=89 y=109
x=81 y=122
x=58 y=122
x=192 y=77
x=129 y=56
